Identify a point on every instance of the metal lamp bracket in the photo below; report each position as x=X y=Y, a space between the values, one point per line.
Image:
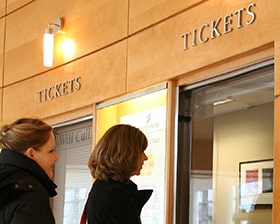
x=56 y=25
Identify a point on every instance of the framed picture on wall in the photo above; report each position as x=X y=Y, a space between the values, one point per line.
x=255 y=184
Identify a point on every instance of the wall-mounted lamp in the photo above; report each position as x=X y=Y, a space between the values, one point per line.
x=52 y=29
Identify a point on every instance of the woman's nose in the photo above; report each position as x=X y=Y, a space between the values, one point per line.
x=145 y=156
x=56 y=156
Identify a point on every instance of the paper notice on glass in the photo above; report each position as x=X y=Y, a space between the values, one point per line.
x=153 y=124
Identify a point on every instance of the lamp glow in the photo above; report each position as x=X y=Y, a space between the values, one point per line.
x=48 y=48
x=69 y=48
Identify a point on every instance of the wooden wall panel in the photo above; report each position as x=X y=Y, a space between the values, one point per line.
x=2 y=7
x=163 y=47
x=24 y=32
x=277 y=65
x=15 y=4
x=144 y=13
x=1 y=105
x=265 y=52
x=276 y=171
x=1 y=49
x=102 y=76
x=92 y=25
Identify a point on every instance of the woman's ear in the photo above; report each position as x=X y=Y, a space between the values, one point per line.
x=30 y=153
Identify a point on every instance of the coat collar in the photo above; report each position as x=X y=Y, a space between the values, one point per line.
x=19 y=162
x=141 y=196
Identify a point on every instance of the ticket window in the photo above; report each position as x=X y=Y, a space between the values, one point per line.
x=72 y=175
x=225 y=150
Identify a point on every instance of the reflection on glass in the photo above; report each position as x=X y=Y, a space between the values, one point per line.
x=229 y=122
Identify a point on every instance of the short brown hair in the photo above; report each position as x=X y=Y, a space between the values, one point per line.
x=116 y=154
x=24 y=133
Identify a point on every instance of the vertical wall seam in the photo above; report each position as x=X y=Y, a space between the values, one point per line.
x=3 y=59
x=127 y=44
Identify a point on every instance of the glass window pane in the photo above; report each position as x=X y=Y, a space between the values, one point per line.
x=226 y=142
x=72 y=176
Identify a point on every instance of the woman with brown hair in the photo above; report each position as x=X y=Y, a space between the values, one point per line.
x=26 y=170
x=118 y=156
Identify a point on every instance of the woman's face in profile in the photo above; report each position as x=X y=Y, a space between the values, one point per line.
x=45 y=156
x=143 y=157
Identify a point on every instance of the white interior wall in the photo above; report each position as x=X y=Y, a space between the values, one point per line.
x=239 y=136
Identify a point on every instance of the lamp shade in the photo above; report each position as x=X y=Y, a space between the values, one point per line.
x=48 y=48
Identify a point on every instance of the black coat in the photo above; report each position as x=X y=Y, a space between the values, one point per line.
x=25 y=191
x=113 y=202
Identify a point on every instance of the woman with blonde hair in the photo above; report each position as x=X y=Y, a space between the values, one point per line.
x=26 y=170
x=114 y=198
